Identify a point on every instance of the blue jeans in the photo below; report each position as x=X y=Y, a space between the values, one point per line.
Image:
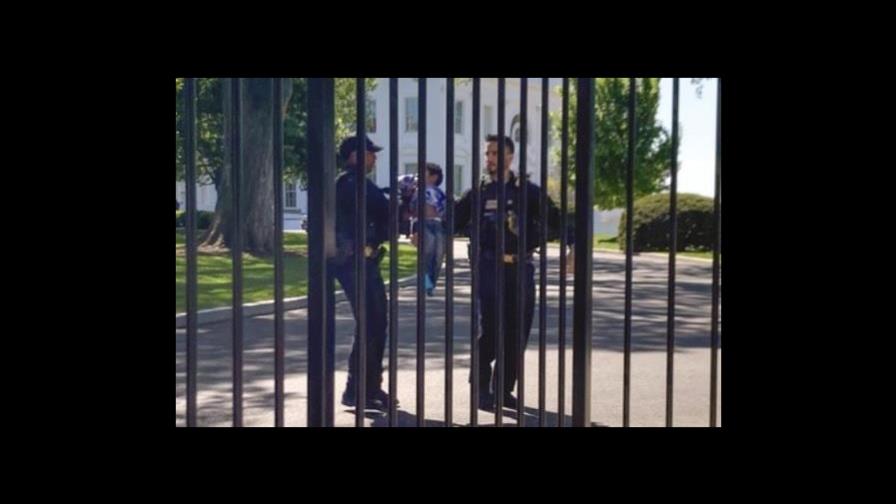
x=433 y=248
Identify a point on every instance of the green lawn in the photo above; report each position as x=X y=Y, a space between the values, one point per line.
x=606 y=241
x=215 y=273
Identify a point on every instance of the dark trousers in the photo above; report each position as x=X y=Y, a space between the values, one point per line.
x=489 y=316
x=376 y=310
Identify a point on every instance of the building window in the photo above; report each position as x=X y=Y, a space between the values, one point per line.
x=459 y=118
x=410 y=114
x=458 y=179
x=489 y=121
x=290 y=196
x=371 y=116
x=515 y=127
x=410 y=169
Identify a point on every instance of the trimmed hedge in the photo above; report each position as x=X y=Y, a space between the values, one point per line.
x=203 y=219
x=651 y=223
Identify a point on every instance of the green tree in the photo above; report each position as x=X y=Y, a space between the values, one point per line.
x=652 y=148
x=256 y=175
x=210 y=138
x=209 y=131
x=213 y=163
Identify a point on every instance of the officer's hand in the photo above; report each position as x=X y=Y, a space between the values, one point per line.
x=414 y=239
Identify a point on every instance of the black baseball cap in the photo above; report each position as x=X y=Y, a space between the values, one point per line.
x=350 y=145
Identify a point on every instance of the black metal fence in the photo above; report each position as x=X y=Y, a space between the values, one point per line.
x=321 y=241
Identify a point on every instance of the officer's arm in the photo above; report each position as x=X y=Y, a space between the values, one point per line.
x=555 y=228
x=555 y=224
x=344 y=190
x=463 y=211
x=378 y=212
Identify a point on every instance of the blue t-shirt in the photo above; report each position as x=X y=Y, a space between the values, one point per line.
x=435 y=198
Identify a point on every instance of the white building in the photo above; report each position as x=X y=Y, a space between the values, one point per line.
x=378 y=130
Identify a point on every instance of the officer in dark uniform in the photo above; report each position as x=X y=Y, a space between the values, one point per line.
x=489 y=256
x=343 y=266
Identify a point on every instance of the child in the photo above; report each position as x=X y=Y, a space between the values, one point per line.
x=435 y=233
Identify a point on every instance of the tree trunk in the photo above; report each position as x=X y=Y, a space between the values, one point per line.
x=257 y=188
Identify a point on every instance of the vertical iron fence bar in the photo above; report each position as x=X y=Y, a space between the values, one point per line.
x=629 y=210
x=499 y=261
x=236 y=249
x=716 y=251
x=393 y=249
x=522 y=289
x=449 y=257
x=474 y=259
x=673 y=248
x=321 y=176
x=581 y=375
x=189 y=128
x=564 y=208
x=360 y=250
x=543 y=260
x=277 y=90
x=421 y=202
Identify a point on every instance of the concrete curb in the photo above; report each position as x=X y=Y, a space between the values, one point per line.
x=212 y=315
x=657 y=255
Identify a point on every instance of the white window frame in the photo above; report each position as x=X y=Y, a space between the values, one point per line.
x=290 y=189
x=407 y=114
x=459 y=117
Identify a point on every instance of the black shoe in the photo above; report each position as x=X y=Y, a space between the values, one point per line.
x=348 y=397
x=380 y=400
x=486 y=401
x=509 y=401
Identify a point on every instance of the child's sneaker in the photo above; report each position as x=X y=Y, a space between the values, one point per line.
x=427 y=283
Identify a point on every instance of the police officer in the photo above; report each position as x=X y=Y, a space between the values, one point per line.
x=489 y=256
x=343 y=266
